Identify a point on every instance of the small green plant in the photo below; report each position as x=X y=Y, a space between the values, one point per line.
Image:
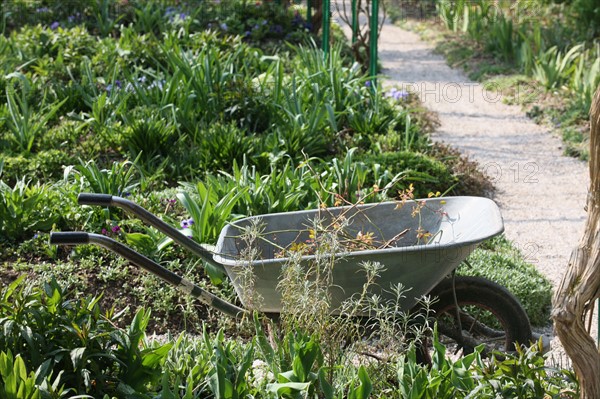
x=24 y=123
x=24 y=209
x=121 y=179
x=501 y=39
x=15 y=381
x=586 y=77
x=150 y=137
x=75 y=343
x=522 y=375
x=221 y=145
x=143 y=359
x=552 y=68
x=209 y=213
x=451 y=13
x=445 y=379
x=527 y=375
x=227 y=378
x=105 y=17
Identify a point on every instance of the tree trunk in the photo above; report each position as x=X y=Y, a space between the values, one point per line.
x=580 y=285
x=317 y=17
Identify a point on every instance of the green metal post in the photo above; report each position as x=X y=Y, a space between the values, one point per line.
x=354 y=22
x=309 y=12
x=326 y=25
x=373 y=39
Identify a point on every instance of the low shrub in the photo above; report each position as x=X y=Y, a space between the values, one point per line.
x=430 y=174
x=500 y=261
x=45 y=165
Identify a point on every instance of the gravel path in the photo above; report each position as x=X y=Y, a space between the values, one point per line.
x=541 y=193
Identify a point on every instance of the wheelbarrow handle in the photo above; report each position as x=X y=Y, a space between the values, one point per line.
x=141 y=261
x=95 y=199
x=69 y=238
x=151 y=219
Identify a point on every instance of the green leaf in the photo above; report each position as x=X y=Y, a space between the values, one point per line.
x=214 y=273
x=288 y=388
x=141 y=241
x=152 y=357
x=264 y=345
x=366 y=387
x=77 y=356
x=325 y=385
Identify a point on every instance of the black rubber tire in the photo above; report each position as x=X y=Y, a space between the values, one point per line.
x=483 y=294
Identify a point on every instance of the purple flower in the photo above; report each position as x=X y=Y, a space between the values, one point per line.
x=223 y=26
x=172 y=200
x=184 y=224
x=190 y=221
x=247 y=33
x=368 y=83
x=397 y=94
x=105 y=232
x=157 y=83
x=116 y=228
x=278 y=29
x=35 y=236
x=42 y=10
x=297 y=19
x=111 y=86
x=54 y=25
x=182 y=16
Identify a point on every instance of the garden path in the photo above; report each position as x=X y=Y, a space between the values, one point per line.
x=541 y=193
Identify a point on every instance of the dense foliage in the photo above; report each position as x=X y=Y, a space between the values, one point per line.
x=55 y=346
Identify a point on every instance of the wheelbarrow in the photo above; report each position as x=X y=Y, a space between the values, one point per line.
x=420 y=244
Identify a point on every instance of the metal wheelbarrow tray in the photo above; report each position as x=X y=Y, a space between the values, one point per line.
x=455 y=224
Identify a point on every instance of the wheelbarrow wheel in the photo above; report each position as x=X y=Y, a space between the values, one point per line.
x=489 y=315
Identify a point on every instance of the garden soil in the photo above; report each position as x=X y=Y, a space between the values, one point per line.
x=541 y=193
